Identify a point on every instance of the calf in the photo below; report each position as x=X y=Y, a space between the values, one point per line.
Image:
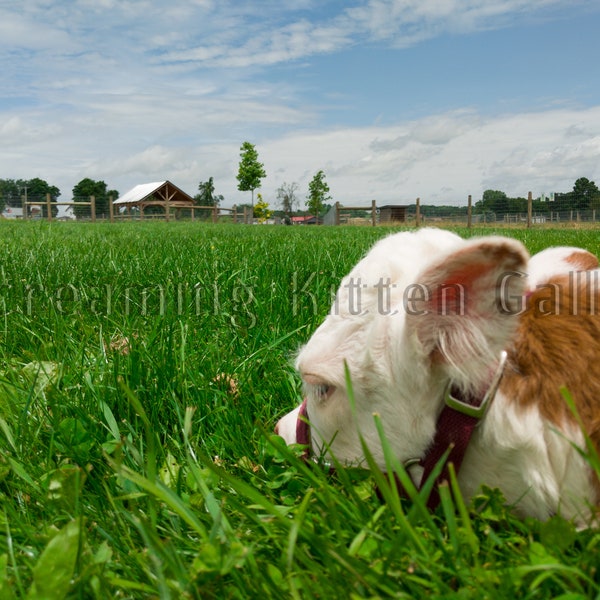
x=442 y=335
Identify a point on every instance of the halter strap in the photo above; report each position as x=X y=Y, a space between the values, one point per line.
x=455 y=427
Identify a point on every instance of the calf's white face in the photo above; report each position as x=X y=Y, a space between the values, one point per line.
x=420 y=310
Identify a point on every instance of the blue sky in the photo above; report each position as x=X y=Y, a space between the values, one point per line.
x=393 y=99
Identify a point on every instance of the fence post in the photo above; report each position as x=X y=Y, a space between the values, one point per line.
x=469 y=211
x=234 y=213
x=48 y=207
x=374 y=212
x=529 y=208
x=418 y=213
x=93 y=208
x=111 y=210
x=336 y=214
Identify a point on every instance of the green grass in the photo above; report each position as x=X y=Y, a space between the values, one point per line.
x=142 y=368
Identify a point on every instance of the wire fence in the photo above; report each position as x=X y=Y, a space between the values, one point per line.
x=461 y=217
x=89 y=209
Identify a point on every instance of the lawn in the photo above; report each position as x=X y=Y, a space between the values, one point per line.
x=142 y=369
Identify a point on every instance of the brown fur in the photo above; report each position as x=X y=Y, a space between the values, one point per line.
x=583 y=260
x=557 y=346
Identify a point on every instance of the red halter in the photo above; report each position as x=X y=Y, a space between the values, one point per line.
x=303 y=430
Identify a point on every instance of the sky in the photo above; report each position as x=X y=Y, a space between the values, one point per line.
x=392 y=99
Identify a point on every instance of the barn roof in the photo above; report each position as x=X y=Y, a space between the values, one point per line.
x=158 y=192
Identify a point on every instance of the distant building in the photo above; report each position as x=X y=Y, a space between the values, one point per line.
x=12 y=212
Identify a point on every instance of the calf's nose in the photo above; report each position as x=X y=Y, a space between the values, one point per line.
x=286 y=426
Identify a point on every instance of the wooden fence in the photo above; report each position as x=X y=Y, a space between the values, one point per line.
x=214 y=212
x=339 y=213
x=49 y=204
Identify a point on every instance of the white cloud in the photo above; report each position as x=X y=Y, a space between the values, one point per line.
x=441 y=158
x=406 y=21
x=398 y=22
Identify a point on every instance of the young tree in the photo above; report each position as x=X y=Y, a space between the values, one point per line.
x=262 y=211
x=250 y=170
x=286 y=195
x=318 y=194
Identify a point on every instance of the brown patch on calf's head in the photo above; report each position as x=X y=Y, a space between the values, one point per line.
x=558 y=345
x=582 y=260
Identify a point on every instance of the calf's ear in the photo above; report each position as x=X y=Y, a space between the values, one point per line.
x=468 y=305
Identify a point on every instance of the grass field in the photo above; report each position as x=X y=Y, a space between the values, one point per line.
x=142 y=368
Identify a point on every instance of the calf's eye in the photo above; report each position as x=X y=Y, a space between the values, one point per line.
x=315 y=388
x=323 y=391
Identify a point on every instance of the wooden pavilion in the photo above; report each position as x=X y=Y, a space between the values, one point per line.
x=163 y=194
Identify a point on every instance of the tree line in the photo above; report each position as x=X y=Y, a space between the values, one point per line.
x=585 y=195
x=14 y=192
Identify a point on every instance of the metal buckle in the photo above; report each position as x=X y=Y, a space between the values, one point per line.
x=477 y=411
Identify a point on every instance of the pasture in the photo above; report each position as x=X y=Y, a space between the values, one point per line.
x=142 y=369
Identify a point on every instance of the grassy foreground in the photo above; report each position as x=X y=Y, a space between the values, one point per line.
x=142 y=368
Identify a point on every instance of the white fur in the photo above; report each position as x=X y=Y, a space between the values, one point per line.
x=558 y=260
x=401 y=360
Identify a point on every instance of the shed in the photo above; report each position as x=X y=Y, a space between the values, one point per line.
x=160 y=193
x=392 y=213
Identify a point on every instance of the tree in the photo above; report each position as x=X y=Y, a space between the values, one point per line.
x=286 y=195
x=318 y=194
x=261 y=210
x=585 y=194
x=88 y=187
x=10 y=193
x=493 y=201
x=250 y=170
x=206 y=195
x=14 y=191
x=37 y=191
